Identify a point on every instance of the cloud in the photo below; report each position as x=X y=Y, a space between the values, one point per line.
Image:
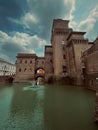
x=70 y=15
x=39 y=17
x=89 y=22
x=26 y=24
x=27 y=20
x=30 y=17
x=71 y=6
x=19 y=43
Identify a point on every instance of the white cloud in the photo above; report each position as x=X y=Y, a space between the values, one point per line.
x=22 y=39
x=71 y=5
x=90 y=21
x=70 y=15
x=28 y=19
x=19 y=42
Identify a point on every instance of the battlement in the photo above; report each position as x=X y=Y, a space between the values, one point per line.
x=26 y=55
x=59 y=23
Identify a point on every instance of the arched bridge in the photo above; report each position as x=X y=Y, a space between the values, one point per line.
x=40 y=75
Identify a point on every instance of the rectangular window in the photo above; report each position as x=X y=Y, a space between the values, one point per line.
x=64 y=56
x=64 y=68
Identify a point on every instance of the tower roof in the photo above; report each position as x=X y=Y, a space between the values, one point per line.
x=59 y=23
x=26 y=55
x=75 y=33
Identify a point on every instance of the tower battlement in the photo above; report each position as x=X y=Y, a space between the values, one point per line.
x=59 y=23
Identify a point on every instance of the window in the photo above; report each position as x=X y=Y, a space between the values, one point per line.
x=26 y=61
x=25 y=69
x=30 y=61
x=19 y=69
x=64 y=56
x=51 y=60
x=42 y=62
x=64 y=68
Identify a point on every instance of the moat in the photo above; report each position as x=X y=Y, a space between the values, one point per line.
x=46 y=107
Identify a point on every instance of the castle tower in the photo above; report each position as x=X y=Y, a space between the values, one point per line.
x=60 y=32
x=76 y=44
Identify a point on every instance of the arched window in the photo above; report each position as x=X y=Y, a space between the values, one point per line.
x=42 y=62
x=19 y=69
x=25 y=69
x=30 y=61
x=51 y=60
x=26 y=61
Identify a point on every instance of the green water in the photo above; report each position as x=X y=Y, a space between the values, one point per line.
x=44 y=107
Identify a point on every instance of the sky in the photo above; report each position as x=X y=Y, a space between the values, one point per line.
x=25 y=25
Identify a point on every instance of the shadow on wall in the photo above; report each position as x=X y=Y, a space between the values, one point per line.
x=63 y=80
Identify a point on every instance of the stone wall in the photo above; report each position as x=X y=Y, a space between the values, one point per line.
x=60 y=31
x=90 y=60
x=48 y=62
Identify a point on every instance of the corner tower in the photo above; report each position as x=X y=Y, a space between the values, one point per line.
x=60 y=32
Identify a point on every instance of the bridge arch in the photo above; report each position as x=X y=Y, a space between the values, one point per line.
x=40 y=75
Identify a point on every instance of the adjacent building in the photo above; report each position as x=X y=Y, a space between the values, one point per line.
x=90 y=65
x=7 y=68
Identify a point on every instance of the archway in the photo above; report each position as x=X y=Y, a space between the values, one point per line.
x=40 y=76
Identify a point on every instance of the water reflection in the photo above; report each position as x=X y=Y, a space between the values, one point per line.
x=69 y=108
x=27 y=109
x=47 y=108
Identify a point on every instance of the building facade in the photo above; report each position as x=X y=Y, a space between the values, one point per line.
x=27 y=66
x=7 y=68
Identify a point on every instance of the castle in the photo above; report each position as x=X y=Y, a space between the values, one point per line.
x=70 y=56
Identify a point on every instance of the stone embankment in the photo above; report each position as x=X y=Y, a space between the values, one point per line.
x=6 y=79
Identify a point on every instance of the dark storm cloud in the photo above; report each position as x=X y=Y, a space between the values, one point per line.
x=11 y=9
